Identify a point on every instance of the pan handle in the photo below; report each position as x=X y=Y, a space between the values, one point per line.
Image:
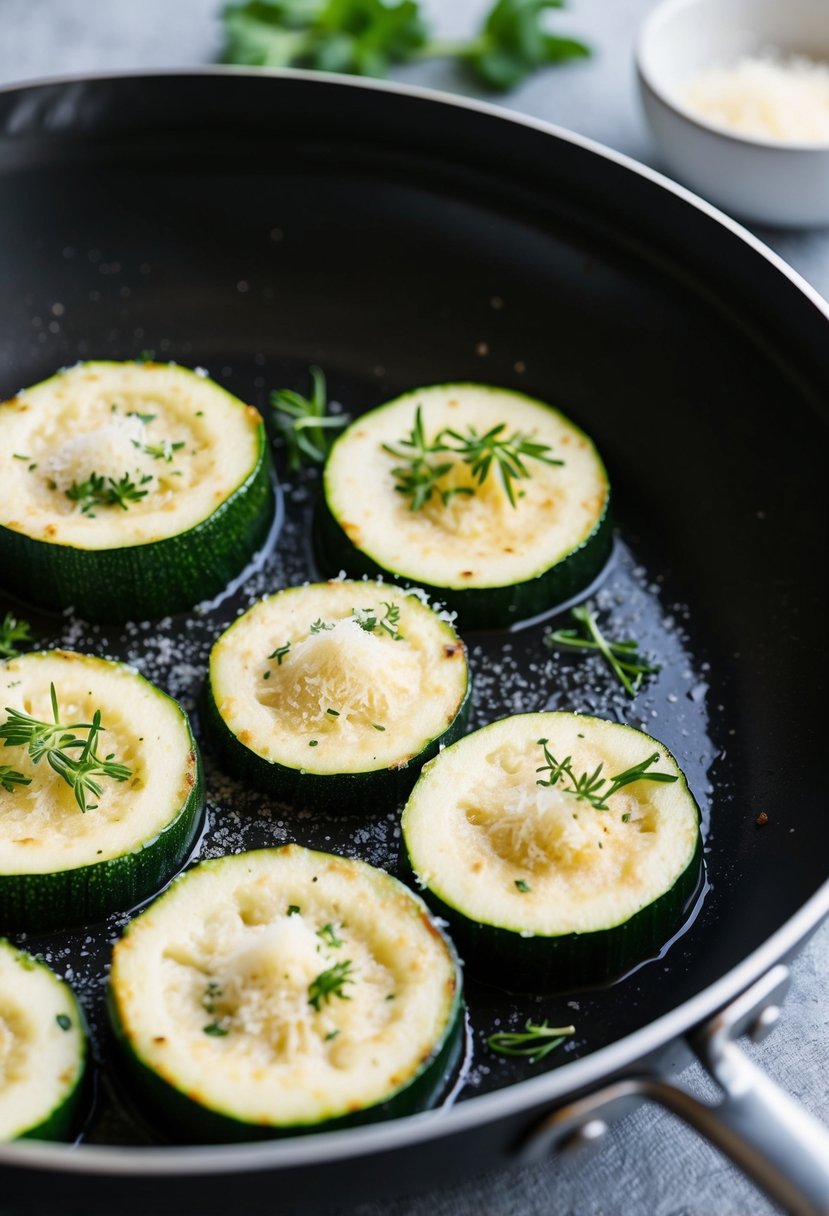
x=766 y=1133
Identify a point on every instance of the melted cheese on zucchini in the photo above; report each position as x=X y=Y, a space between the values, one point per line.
x=488 y=840
x=466 y=540
x=42 y=1043
x=184 y=443
x=220 y=986
x=42 y=829
x=340 y=696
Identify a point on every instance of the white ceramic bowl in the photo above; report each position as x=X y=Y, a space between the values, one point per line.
x=769 y=181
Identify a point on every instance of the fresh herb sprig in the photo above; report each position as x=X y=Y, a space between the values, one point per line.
x=10 y=778
x=418 y=477
x=304 y=424
x=99 y=491
x=536 y=1040
x=13 y=631
x=623 y=658
x=593 y=787
x=389 y=622
x=367 y=37
x=56 y=740
x=329 y=984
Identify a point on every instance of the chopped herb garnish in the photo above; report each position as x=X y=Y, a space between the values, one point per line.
x=293 y=910
x=145 y=418
x=334 y=713
x=367 y=619
x=589 y=787
x=266 y=675
x=12 y=631
x=303 y=424
x=280 y=653
x=418 y=477
x=329 y=984
x=623 y=658
x=19 y=456
x=216 y=1030
x=55 y=740
x=313 y=742
x=10 y=778
x=626 y=817
x=32 y=467
x=162 y=451
x=536 y=1040
x=106 y=492
x=319 y=626
x=522 y=885
x=212 y=993
x=378 y=726
x=329 y=936
x=64 y=1021
x=332 y=1034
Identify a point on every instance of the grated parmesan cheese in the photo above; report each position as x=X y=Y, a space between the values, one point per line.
x=766 y=96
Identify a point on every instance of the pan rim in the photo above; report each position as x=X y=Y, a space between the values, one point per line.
x=550 y=1088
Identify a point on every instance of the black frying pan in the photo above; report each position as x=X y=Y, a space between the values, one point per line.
x=255 y=224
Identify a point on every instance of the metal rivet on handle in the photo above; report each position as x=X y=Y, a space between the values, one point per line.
x=765 y=1021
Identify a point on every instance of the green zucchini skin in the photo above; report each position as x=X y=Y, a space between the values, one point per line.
x=570 y=961
x=188 y=1121
x=344 y=793
x=140 y=582
x=36 y=902
x=477 y=607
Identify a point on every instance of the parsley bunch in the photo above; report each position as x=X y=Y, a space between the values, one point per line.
x=367 y=37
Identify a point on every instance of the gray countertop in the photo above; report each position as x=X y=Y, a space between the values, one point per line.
x=649 y=1165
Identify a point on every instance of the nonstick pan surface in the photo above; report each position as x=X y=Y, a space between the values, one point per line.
x=254 y=225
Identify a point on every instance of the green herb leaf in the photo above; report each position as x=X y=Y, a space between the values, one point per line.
x=522 y=885
x=106 y=492
x=293 y=910
x=622 y=658
x=215 y=1030
x=12 y=631
x=420 y=476
x=280 y=653
x=55 y=740
x=303 y=424
x=162 y=451
x=327 y=934
x=536 y=1040
x=64 y=1021
x=329 y=984
x=590 y=787
x=10 y=778
x=514 y=43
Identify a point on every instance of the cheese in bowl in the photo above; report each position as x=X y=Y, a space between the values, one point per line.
x=129 y=490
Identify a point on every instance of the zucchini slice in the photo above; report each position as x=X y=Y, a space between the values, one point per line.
x=285 y=991
x=333 y=694
x=60 y=865
x=43 y=1050
x=493 y=560
x=545 y=887
x=129 y=490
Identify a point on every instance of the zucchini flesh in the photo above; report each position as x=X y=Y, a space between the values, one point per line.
x=491 y=560
x=543 y=890
x=227 y=1025
x=43 y=1050
x=200 y=505
x=334 y=693
x=59 y=865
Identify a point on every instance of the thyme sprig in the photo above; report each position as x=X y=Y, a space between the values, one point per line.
x=56 y=740
x=329 y=984
x=12 y=631
x=10 y=778
x=303 y=423
x=536 y=1040
x=99 y=491
x=389 y=622
x=589 y=787
x=418 y=477
x=623 y=658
